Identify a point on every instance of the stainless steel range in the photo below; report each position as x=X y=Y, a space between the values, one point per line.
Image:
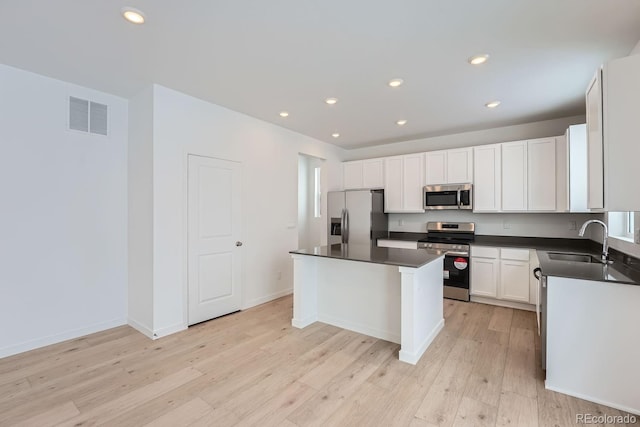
x=452 y=239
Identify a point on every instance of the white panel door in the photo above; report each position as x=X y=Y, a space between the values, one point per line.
x=487 y=180
x=514 y=280
x=514 y=176
x=214 y=230
x=484 y=277
x=373 y=173
x=435 y=165
x=352 y=175
x=541 y=172
x=393 y=184
x=460 y=166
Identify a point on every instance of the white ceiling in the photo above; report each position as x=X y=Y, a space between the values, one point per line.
x=261 y=57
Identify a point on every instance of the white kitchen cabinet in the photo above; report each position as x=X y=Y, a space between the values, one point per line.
x=352 y=175
x=460 y=166
x=484 y=272
x=449 y=166
x=373 y=173
x=435 y=166
x=501 y=276
x=621 y=113
x=413 y=182
x=514 y=176
x=514 y=275
x=595 y=151
x=363 y=174
x=571 y=176
x=487 y=178
x=403 y=183
x=541 y=175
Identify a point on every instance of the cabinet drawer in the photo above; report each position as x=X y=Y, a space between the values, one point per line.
x=403 y=244
x=484 y=252
x=515 y=254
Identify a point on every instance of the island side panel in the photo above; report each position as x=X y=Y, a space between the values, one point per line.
x=422 y=309
x=360 y=296
x=305 y=290
x=592 y=342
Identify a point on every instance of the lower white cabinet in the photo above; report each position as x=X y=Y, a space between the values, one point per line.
x=501 y=274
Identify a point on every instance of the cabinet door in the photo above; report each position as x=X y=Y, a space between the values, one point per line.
x=541 y=174
x=578 y=173
x=484 y=277
x=514 y=280
x=460 y=166
x=373 y=173
x=352 y=175
x=436 y=167
x=514 y=176
x=487 y=180
x=393 y=184
x=621 y=141
x=595 y=196
x=413 y=183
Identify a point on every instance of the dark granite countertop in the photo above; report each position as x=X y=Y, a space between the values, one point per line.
x=625 y=269
x=369 y=253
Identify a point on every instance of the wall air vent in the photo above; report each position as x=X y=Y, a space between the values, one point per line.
x=88 y=116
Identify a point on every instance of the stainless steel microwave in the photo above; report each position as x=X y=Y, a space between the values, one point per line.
x=448 y=196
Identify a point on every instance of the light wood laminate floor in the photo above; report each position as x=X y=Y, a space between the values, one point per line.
x=253 y=368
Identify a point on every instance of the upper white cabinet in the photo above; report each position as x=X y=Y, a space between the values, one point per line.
x=571 y=176
x=363 y=174
x=403 y=183
x=487 y=178
x=449 y=166
x=595 y=182
x=541 y=175
x=514 y=176
x=621 y=113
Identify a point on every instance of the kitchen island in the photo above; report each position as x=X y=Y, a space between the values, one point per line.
x=388 y=293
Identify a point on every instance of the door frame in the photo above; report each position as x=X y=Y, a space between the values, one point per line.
x=185 y=231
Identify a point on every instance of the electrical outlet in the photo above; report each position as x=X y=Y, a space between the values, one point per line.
x=573 y=225
x=506 y=225
x=400 y=222
x=279 y=275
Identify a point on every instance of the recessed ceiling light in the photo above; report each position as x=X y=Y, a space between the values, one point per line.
x=478 y=59
x=335 y=134
x=132 y=15
x=401 y=122
x=396 y=82
x=331 y=101
x=284 y=114
x=492 y=104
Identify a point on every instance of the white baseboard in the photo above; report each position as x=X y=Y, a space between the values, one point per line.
x=413 y=358
x=163 y=332
x=503 y=303
x=635 y=411
x=138 y=326
x=361 y=329
x=60 y=337
x=266 y=298
x=303 y=323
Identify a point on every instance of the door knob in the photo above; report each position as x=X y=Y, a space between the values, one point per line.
x=238 y=243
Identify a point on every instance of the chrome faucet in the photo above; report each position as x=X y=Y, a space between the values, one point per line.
x=604 y=258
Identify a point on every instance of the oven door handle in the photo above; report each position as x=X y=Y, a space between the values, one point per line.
x=454 y=253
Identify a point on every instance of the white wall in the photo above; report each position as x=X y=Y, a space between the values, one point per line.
x=489 y=136
x=140 y=211
x=63 y=217
x=269 y=154
x=636 y=50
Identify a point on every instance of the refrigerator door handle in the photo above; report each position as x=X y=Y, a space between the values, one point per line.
x=342 y=229
x=345 y=232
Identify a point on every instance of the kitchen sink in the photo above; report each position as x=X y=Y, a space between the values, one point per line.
x=561 y=256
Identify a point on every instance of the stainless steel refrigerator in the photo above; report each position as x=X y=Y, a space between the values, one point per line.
x=356 y=216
